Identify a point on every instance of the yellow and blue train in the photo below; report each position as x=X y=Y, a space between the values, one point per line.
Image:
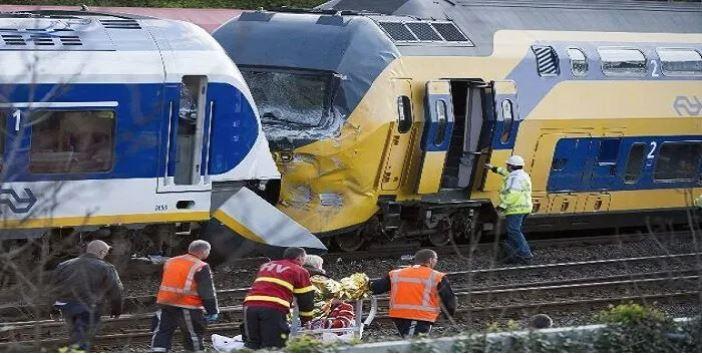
x=382 y=114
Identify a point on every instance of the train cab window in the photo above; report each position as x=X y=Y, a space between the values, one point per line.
x=634 y=163
x=680 y=61
x=441 y=118
x=508 y=117
x=71 y=141
x=622 y=61
x=404 y=114
x=578 y=61
x=678 y=161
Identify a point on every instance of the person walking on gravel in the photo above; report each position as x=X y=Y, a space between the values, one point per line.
x=417 y=294
x=515 y=204
x=82 y=285
x=186 y=289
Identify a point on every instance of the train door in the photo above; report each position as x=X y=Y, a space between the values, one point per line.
x=557 y=170
x=187 y=117
x=400 y=137
x=436 y=135
x=468 y=98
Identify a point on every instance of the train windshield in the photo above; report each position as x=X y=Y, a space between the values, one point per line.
x=294 y=105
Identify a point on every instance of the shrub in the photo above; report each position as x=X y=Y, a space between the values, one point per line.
x=307 y=344
x=635 y=328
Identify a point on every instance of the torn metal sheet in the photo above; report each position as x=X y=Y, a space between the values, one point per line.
x=255 y=219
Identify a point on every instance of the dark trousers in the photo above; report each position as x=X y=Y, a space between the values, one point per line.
x=409 y=327
x=190 y=321
x=83 y=322
x=265 y=328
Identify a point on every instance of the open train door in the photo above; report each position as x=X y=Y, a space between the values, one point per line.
x=436 y=135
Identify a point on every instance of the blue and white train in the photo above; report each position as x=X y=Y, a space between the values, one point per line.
x=115 y=122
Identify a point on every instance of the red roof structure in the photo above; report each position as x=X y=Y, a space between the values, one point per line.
x=209 y=19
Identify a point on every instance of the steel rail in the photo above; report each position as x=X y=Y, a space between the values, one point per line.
x=463 y=292
x=148 y=300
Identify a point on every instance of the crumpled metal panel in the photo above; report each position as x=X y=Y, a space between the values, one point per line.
x=255 y=219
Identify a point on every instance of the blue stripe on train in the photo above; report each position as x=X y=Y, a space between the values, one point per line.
x=141 y=127
x=597 y=164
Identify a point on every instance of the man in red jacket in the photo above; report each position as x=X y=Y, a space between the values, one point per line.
x=267 y=304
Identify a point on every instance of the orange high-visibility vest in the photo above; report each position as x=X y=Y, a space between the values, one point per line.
x=178 y=286
x=413 y=293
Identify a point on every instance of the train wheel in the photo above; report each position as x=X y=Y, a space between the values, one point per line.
x=440 y=239
x=443 y=236
x=350 y=242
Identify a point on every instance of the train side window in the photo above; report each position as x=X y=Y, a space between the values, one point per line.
x=609 y=151
x=678 y=161
x=634 y=163
x=404 y=114
x=622 y=61
x=508 y=117
x=578 y=61
x=441 y=122
x=680 y=61
x=72 y=141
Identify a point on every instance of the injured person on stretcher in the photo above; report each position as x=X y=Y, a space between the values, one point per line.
x=331 y=309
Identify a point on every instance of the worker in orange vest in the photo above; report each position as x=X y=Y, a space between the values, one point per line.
x=417 y=294
x=186 y=289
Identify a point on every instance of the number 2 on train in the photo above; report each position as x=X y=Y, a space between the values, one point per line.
x=653 y=149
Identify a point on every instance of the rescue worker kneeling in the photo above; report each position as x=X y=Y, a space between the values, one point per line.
x=186 y=288
x=417 y=294
x=268 y=302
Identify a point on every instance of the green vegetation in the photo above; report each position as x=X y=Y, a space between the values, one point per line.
x=630 y=328
x=307 y=344
x=232 y=4
x=636 y=328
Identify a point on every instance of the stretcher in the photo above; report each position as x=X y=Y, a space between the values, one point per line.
x=354 y=332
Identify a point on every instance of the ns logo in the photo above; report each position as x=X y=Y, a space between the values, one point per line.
x=15 y=202
x=688 y=106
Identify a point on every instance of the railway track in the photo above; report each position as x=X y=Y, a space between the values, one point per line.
x=468 y=249
x=472 y=277
x=139 y=268
x=499 y=300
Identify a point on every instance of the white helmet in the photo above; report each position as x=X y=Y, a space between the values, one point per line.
x=515 y=160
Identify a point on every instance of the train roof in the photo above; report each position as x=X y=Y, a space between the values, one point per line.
x=476 y=21
x=65 y=30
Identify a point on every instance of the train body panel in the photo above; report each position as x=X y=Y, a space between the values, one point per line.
x=116 y=120
x=519 y=84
